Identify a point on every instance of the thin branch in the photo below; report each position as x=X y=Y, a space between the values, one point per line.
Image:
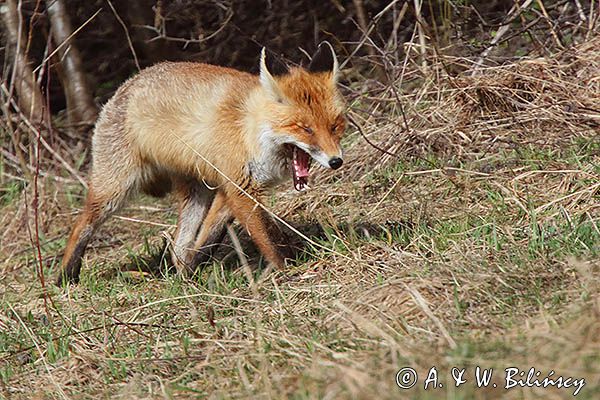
x=129 y=42
x=513 y=13
x=359 y=127
x=550 y=24
x=61 y=45
x=366 y=34
x=161 y=32
x=22 y=77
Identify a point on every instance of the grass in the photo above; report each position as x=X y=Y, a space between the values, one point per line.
x=507 y=285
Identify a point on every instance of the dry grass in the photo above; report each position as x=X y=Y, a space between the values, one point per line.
x=477 y=246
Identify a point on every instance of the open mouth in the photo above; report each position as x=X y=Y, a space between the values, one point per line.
x=300 y=167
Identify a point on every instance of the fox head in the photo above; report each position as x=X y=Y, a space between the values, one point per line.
x=305 y=112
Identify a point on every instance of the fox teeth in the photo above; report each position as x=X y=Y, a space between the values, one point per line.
x=302 y=187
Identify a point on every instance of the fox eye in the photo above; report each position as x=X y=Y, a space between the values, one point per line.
x=306 y=129
x=337 y=126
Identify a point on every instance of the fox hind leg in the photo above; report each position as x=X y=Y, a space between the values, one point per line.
x=212 y=232
x=195 y=199
x=98 y=207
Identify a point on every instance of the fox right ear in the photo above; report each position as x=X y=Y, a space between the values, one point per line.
x=271 y=66
x=324 y=60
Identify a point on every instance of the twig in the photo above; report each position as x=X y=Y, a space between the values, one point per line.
x=422 y=303
x=137 y=63
x=580 y=11
x=243 y=260
x=189 y=296
x=376 y=206
x=140 y=221
x=17 y=49
x=547 y=17
x=357 y=125
x=514 y=12
x=521 y=31
x=36 y=197
x=75 y=332
x=61 y=45
x=366 y=34
x=393 y=39
x=361 y=16
x=161 y=32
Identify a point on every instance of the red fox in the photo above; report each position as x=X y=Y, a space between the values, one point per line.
x=217 y=138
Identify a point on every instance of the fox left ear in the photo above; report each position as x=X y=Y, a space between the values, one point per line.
x=324 y=60
x=270 y=66
x=273 y=63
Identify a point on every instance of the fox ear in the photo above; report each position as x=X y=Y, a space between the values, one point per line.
x=324 y=60
x=271 y=66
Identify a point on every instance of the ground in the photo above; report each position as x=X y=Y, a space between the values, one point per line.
x=473 y=242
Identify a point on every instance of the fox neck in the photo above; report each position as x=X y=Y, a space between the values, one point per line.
x=267 y=163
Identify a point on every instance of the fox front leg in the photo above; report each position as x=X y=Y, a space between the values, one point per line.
x=268 y=237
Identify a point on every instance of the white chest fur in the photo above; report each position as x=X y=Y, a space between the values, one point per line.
x=270 y=167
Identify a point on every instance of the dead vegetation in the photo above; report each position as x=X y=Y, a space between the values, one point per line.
x=464 y=230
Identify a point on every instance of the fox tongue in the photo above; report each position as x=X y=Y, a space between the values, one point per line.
x=301 y=163
x=300 y=166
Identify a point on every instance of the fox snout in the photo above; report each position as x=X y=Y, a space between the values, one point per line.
x=332 y=160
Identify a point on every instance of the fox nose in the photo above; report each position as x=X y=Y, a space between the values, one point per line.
x=335 y=162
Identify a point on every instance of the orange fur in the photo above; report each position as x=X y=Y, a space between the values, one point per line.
x=206 y=131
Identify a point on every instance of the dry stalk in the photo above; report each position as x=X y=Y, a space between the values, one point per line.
x=422 y=41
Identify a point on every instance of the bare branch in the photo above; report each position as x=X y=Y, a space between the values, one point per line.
x=162 y=34
x=514 y=12
x=135 y=58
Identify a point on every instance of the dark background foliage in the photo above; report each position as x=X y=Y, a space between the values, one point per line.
x=231 y=33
